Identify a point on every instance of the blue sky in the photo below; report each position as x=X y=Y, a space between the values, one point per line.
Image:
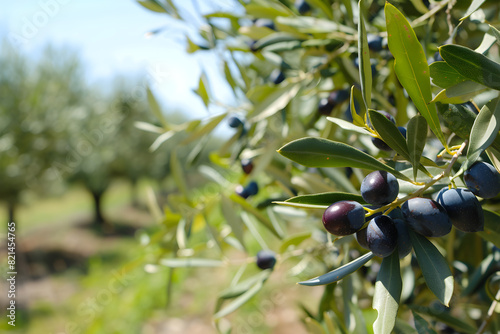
x=110 y=37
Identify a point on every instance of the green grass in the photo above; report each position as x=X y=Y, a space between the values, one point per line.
x=137 y=305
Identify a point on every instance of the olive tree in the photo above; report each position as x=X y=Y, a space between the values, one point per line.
x=35 y=99
x=407 y=91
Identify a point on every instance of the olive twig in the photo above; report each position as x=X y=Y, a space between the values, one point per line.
x=398 y=201
x=489 y=315
x=430 y=13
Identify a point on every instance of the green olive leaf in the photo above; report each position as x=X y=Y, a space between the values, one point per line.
x=190 y=262
x=475 y=5
x=411 y=66
x=274 y=102
x=437 y=273
x=416 y=135
x=320 y=152
x=356 y=119
x=294 y=240
x=387 y=294
x=389 y=133
x=472 y=65
x=444 y=317
x=365 y=71
x=484 y=131
x=321 y=200
x=339 y=273
x=459 y=93
x=422 y=326
x=255 y=212
x=243 y=286
x=349 y=126
x=240 y=300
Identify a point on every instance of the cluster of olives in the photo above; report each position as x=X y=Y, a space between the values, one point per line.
x=384 y=233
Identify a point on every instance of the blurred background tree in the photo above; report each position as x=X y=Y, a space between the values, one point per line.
x=37 y=99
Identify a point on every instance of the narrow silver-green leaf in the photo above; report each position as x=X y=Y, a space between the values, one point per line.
x=472 y=65
x=178 y=173
x=156 y=109
x=276 y=101
x=243 y=286
x=205 y=129
x=320 y=152
x=435 y=269
x=339 y=273
x=268 y=10
x=302 y=205
x=312 y=25
x=229 y=77
x=232 y=219
x=484 y=131
x=190 y=262
x=411 y=66
x=389 y=133
x=487 y=42
x=255 y=212
x=420 y=6
x=202 y=91
x=349 y=126
x=313 y=326
x=356 y=119
x=152 y=6
x=144 y=126
x=365 y=71
x=276 y=38
x=325 y=198
x=495 y=33
x=494 y=156
x=239 y=301
x=459 y=93
x=324 y=6
x=162 y=139
x=422 y=326
x=294 y=240
x=445 y=317
x=475 y=5
x=402 y=327
x=387 y=294
x=416 y=135
x=482 y=271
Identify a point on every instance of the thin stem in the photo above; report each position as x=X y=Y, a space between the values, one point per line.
x=426 y=185
x=489 y=315
x=430 y=13
x=448 y=16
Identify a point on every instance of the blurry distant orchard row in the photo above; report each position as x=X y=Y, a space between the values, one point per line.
x=55 y=129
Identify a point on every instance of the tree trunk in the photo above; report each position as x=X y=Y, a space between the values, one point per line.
x=11 y=208
x=98 y=216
